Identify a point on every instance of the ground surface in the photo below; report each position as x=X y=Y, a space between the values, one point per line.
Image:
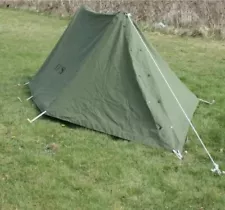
x=92 y=170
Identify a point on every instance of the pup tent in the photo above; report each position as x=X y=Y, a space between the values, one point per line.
x=105 y=76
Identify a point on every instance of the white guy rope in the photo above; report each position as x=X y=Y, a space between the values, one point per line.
x=216 y=166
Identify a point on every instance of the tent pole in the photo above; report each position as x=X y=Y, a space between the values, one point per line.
x=216 y=166
x=30 y=121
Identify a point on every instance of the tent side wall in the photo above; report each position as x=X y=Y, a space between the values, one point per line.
x=164 y=107
x=105 y=95
x=66 y=59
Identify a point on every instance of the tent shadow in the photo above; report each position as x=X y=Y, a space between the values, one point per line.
x=75 y=126
x=69 y=124
x=118 y=139
x=62 y=122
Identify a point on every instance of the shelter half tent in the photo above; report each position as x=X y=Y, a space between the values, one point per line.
x=105 y=76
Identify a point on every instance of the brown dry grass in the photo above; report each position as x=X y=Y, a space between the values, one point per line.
x=203 y=17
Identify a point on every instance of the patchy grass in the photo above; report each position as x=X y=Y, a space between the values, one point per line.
x=91 y=170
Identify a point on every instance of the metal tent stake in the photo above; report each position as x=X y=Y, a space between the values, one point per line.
x=207 y=102
x=29 y=98
x=178 y=154
x=216 y=166
x=26 y=83
x=19 y=99
x=30 y=121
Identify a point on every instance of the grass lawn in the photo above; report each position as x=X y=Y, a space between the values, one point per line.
x=92 y=170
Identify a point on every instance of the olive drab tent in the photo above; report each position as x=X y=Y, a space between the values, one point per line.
x=105 y=76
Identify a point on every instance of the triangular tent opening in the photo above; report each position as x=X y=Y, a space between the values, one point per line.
x=100 y=76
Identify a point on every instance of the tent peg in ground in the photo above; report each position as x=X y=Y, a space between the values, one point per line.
x=19 y=99
x=178 y=154
x=23 y=84
x=216 y=169
x=29 y=98
x=30 y=121
x=26 y=83
x=207 y=102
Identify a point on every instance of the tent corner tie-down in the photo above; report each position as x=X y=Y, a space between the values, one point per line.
x=216 y=168
x=34 y=119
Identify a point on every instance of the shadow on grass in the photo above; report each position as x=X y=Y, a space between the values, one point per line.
x=65 y=123
x=75 y=126
x=71 y=125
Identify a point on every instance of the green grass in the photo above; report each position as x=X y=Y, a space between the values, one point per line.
x=93 y=170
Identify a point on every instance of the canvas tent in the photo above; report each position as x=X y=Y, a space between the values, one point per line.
x=104 y=75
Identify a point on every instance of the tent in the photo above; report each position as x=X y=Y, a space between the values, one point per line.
x=103 y=75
